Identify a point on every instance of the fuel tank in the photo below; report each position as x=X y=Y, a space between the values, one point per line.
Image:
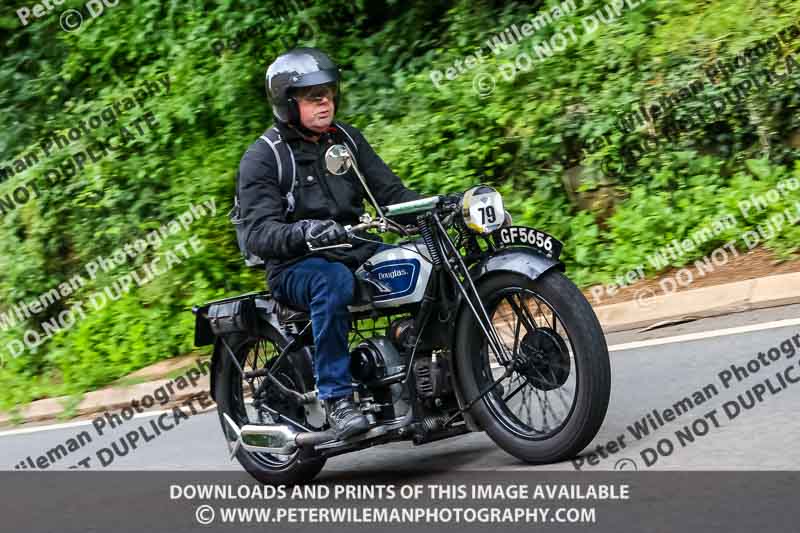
x=403 y=271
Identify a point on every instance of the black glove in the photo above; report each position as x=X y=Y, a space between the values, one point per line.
x=319 y=233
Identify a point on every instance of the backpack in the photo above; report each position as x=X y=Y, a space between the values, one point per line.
x=285 y=159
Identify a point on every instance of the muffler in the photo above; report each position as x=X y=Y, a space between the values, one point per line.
x=273 y=438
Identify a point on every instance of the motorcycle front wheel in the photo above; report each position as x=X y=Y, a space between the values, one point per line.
x=554 y=396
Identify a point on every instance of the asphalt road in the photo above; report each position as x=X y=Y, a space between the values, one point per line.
x=654 y=375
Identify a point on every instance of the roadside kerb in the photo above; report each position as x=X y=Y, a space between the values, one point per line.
x=107 y=399
x=705 y=302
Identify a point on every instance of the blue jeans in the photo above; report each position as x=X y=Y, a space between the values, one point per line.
x=325 y=289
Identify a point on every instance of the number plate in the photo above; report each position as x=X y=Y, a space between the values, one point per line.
x=540 y=241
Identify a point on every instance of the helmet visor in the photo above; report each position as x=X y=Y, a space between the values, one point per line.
x=316 y=78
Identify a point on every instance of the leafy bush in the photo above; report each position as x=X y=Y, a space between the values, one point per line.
x=522 y=139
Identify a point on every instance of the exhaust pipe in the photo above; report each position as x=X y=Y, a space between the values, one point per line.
x=274 y=438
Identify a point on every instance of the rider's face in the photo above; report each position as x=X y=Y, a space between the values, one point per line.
x=316 y=108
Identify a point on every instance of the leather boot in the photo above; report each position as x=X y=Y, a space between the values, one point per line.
x=345 y=418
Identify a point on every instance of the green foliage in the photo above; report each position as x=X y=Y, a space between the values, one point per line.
x=521 y=139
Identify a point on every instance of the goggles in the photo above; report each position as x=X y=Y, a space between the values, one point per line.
x=316 y=93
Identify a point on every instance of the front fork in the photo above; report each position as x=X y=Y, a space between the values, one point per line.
x=457 y=270
x=450 y=260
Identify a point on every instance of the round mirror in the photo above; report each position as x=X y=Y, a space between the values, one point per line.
x=337 y=159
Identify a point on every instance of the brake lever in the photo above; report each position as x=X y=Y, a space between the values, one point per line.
x=332 y=246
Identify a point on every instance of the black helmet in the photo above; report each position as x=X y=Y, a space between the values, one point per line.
x=299 y=67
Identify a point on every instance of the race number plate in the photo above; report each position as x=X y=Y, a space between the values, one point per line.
x=540 y=241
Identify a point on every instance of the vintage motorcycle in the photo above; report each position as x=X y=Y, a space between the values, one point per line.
x=466 y=324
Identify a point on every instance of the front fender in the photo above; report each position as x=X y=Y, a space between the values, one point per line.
x=519 y=260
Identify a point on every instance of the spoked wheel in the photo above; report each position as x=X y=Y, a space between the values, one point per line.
x=235 y=397
x=554 y=384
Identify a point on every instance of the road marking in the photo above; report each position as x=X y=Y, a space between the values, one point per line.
x=80 y=423
x=702 y=335
x=614 y=348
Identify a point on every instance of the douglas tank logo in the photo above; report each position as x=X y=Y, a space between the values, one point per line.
x=393 y=274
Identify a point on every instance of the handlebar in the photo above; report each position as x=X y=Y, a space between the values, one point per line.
x=448 y=202
x=414 y=206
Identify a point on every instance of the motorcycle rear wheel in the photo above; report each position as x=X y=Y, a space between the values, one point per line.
x=231 y=393
x=560 y=355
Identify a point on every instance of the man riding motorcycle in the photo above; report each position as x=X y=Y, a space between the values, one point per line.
x=303 y=88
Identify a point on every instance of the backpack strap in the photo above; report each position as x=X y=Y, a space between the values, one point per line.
x=285 y=159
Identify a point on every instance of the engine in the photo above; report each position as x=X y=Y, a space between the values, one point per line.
x=380 y=364
x=375 y=359
x=382 y=356
x=431 y=375
x=379 y=367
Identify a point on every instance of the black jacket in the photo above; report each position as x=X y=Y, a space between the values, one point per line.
x=279 y=239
